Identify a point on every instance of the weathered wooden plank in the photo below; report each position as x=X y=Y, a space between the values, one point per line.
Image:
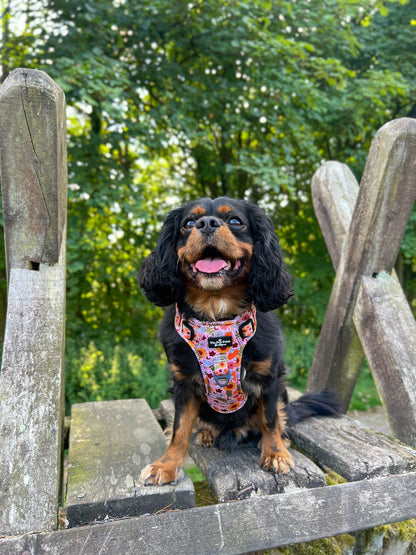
x=334 y=194
x=110 y=443
x=31 y=400
x=387 y=330
x=390 y=354
x=385 y=199
x=245 y=526
x=33 y=167
x=352 y=450
x=237 y=475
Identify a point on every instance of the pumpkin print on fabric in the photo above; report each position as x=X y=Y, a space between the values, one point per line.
x=219 y=346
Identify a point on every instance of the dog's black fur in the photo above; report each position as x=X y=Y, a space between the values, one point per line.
x=241 y=233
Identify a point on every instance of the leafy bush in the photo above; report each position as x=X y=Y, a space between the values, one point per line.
x=300 y=347
x=300 y=350
x=104 y=371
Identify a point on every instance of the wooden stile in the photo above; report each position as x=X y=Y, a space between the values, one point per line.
x=33 y=172
x=363 y=235
x=384 y=324
x=384 y=202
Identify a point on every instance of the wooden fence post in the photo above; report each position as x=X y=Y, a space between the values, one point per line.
x=33 y=167
x=387 y=330
x=385 y=199
x=33 y=173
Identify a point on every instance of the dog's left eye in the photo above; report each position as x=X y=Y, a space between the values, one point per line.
x=235 y=221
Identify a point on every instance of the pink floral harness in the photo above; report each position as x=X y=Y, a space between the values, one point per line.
x=219 y=346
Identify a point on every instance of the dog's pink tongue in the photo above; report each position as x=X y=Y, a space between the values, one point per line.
x=210 y=265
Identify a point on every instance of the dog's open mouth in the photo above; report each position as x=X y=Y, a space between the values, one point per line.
x=214 y=263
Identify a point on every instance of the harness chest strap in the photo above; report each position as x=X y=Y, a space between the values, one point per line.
x=218 y=347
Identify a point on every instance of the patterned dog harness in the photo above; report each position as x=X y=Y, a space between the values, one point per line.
x=219 y=346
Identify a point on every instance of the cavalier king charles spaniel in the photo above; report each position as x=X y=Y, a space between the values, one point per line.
x=218 y=268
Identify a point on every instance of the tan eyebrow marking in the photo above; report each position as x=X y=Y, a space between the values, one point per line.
x=198 y=211
x=224 y=209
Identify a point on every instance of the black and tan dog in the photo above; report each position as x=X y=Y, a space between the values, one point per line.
x=218 y=266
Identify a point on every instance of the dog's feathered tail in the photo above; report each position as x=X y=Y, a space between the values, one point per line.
x=325 y=403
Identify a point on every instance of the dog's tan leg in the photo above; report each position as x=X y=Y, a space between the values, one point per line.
x=274 y=454
x=169 y=467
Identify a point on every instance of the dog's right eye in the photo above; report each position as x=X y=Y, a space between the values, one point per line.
x=189 y=224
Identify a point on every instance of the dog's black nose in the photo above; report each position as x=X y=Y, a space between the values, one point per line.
x=208 y=224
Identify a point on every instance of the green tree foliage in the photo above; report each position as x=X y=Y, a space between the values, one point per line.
x=172 y=100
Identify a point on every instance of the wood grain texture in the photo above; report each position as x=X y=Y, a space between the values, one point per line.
x=385 y=199
x=110 y=443
x=352 y=450
x=387 y=330
x=34 y=188
x=245 y=526
x=237 y=475
x=32 y=400
x=334 y=194
x=33 y=167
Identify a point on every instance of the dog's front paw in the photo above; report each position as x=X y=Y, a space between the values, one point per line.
x=280 y=462
x=159 y=473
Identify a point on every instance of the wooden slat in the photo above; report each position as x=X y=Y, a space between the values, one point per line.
x=237 y=475
x=33 y=168
x=352 y=450
x=31 y=400
x=387 y=330
x=385 y=199
x=110 y=443
x=244 y=526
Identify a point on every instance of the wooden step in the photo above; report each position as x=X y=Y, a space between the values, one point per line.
x=237 y=475
x=110 y=443
x=351 y=449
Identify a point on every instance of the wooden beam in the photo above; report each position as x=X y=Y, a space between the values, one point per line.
x=352 y=450
x=32 y=400
x=334 y=194
x=244 y=526
x=110 y=443
x=382 y=317
x=34 y=184
x=385 y=199
x=33 y=168
x=387 y=330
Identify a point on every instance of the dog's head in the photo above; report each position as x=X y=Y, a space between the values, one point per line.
x=223 y=251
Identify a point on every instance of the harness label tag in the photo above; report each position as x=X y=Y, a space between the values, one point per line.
x=220 y=342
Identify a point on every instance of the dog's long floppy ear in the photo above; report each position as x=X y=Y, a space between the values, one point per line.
x=159 y=276
x=269 y=284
